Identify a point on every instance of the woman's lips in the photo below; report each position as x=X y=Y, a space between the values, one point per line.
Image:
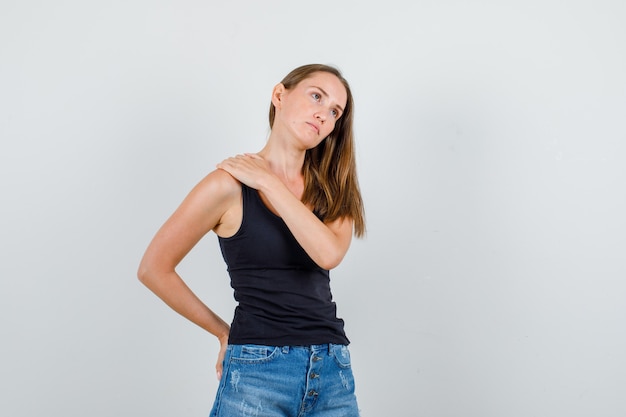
x=314 y=126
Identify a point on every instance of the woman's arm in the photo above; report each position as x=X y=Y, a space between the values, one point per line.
x=325 y=243
x=204 y=209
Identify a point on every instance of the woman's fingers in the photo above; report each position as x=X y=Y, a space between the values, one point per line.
x=219 y=366
x=247 y=168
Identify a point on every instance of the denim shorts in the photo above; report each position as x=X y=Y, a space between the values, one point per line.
x=286 y=381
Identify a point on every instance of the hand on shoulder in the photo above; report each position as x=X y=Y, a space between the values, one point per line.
x=249 y=168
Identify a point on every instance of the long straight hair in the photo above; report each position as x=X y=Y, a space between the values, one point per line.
x=330 y=180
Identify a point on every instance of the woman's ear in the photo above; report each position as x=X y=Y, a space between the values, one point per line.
x=277 y=95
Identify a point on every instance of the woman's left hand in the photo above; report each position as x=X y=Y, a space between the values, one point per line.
x=248 y=168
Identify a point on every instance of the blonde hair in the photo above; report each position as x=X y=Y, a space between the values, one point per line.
x=330 y=180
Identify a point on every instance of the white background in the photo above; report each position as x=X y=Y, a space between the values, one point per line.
x=491 y=152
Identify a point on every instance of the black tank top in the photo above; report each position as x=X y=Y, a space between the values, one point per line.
x=284 y=297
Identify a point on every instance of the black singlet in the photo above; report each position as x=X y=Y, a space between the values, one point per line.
x=284 y=297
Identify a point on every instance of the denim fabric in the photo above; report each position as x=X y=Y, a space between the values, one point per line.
x=286 y=381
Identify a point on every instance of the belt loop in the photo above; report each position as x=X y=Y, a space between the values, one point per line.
x=285 y=349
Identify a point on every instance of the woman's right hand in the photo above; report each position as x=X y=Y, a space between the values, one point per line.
x=219 y=366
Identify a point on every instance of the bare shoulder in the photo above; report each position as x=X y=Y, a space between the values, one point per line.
x=220 y=185
x=220 y=193
x=210 y=201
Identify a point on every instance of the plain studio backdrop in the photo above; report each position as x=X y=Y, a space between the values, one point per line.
x=491 y=141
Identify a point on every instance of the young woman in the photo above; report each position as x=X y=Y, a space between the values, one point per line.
x=284 y=217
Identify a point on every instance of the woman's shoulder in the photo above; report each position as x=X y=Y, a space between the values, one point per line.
x=222 y=192
x=217 y=187
x=221 y=181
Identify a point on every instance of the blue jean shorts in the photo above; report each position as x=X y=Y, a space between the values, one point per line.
x=286 y=381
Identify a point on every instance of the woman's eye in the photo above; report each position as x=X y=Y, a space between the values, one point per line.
x=316 y=96
x=335 y=113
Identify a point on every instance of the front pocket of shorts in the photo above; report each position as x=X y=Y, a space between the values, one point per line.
x=255 y=354
x=342 y=356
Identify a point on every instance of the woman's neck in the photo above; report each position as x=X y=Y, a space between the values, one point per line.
x=284 y=161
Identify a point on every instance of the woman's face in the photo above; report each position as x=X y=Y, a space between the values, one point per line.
x=310 y=110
